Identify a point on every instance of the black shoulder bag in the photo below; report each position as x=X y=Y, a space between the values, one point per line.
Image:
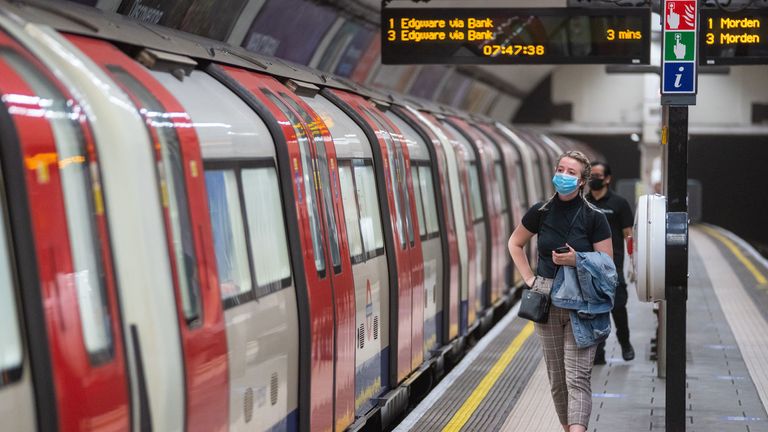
x=534 y=305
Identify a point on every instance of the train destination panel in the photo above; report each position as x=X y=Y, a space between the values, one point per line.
x=731 y=38
x=515 y=36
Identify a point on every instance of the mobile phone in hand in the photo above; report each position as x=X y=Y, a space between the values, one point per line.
x=562 y=250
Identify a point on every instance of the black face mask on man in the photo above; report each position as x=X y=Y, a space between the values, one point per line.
x=596 y=183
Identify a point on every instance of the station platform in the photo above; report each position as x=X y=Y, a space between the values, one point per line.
x=502 y=384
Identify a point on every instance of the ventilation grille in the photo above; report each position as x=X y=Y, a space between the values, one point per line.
x=376 y=327
x=273 y=389
x=248 y=404
x=361 y=336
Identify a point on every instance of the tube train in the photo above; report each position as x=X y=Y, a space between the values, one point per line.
x=198 y=238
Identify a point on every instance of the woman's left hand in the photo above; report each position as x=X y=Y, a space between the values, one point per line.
x=565 y=259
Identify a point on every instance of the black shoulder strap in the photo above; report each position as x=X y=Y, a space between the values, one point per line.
x=570 y=227
x=573 y=221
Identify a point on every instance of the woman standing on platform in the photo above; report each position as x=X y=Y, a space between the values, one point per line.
x=566 y=220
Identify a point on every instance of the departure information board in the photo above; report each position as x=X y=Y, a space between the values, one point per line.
x=732 y=38
x=515 y=36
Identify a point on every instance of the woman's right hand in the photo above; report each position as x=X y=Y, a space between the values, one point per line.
x=530 y=281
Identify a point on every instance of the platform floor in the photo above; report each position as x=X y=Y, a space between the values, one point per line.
x=502 y=383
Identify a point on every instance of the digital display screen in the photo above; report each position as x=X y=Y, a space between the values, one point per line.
x=728 y=38
x=515 y=36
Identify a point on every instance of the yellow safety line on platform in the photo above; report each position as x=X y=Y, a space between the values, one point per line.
x=737 y=252
x=478 y=394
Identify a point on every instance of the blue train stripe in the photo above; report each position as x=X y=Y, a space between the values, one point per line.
x=371 y=380
x=287 y=424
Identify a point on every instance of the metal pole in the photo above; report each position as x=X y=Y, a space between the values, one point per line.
x=676 y=266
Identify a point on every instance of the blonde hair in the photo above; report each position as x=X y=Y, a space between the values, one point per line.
x=580 y=157
x=586 y=171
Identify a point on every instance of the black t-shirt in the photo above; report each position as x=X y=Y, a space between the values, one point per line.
x=551 y=224
x=619 y=215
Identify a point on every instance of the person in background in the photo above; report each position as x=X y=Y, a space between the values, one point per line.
x=566 y=220
x=620 y=218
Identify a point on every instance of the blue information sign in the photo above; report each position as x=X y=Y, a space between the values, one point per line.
x=679 y=77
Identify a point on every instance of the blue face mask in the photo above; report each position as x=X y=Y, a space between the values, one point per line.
x=564 y=183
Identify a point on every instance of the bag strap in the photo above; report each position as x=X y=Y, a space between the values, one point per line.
x=573 y=222
x=570 y=226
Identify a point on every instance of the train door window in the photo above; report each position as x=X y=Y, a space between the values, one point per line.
x=419 y=203
x=519 y=177
x=309 y=171
x=474 y=187
x=502 y=182
x=228 y=233
x=10 y=335
x=266 y=229
x=427 y=186
x=173 y=191
x=406 y=194
x=81 y=188
x=351 y=213
x=448 y=196
x=325 y=178
x=396 y=175
x=370 y=219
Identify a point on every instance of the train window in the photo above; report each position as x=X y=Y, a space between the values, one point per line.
x=10 y=335
x=417 y=196
x=395 y=176
x=79 y=182
x=502 y=182
x=427 y=186
x=407 y=195
x=351 y=213
x=266 y=229
x=228 y=233
x=448 y=196
x=309 y=171
x=173 y=189
x=370 y=220
x=325 y=179
x=520 y=180
x=474 y=187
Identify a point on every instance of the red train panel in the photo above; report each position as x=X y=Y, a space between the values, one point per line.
x=452 y=287
x=496 y=246
x=407 y=247
x=202 y=332
x=35 y=100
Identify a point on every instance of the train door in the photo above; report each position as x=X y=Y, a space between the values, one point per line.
x=491 y=244
x=452 y=285
x=530 y=165
x=188 y=232
x=509 y=170
x=456 y=180
x=429 y=230
x=473 y=219
x=258 y=284
x=342 y=278
x=392 y=180
x=365 y=238
x=414 y=247
x=72 y=250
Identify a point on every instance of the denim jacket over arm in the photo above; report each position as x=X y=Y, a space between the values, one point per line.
x=588 y=291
